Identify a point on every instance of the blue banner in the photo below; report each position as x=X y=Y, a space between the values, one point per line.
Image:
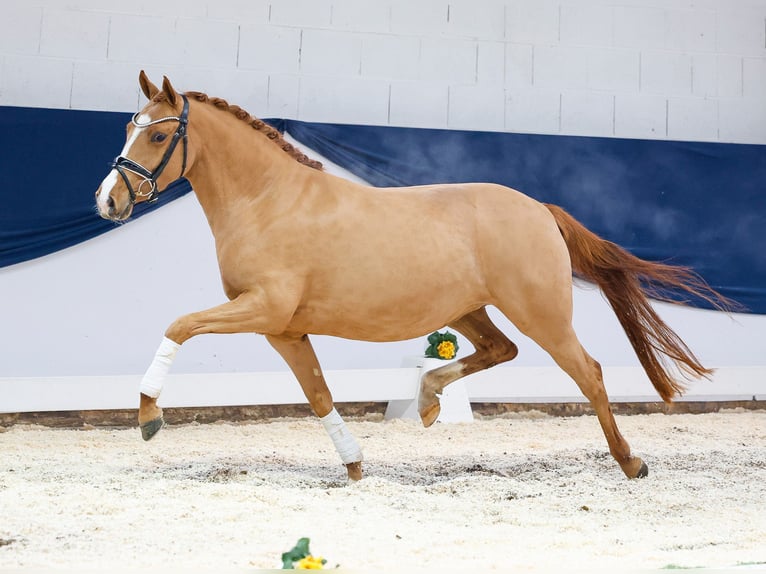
x=51 y=163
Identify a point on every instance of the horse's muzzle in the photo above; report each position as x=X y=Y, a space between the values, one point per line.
x=109 y=210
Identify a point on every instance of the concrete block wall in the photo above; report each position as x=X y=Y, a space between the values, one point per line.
x=662 y=69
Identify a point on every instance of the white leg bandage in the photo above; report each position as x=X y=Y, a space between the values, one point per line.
x=151 y=384
x=344 y=441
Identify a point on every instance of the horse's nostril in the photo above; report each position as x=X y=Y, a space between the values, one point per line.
x=110 y=203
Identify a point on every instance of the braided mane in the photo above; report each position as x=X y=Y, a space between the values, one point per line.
x=269 y=131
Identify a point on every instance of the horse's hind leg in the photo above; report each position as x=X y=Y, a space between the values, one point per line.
x=492 y=347
x=569 y=354
x=299 y=355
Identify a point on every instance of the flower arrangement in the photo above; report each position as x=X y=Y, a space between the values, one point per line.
x=442 y=346
x=300 y=558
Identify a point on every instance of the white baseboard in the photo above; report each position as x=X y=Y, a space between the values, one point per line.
x=501 y=384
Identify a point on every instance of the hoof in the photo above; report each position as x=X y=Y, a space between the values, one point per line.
x=429 y=415
x=151 y=428
x=643 y=472
x=354 y=471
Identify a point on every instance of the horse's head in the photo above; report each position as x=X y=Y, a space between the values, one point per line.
x=152 y=157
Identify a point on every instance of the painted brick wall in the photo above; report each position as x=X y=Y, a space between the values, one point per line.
x=666 y=69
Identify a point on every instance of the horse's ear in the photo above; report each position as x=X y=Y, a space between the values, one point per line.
x=169 y=90
x=149 y=89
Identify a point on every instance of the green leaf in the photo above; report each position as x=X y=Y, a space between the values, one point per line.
x=300 y=550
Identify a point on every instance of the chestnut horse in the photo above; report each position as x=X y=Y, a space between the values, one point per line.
x=302 y=252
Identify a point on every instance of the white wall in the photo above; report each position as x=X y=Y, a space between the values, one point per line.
x=670 y=69
x=667 y=69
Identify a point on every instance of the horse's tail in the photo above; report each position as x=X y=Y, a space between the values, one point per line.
x=626 y=281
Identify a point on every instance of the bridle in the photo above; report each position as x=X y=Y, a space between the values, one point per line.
x=123 y=164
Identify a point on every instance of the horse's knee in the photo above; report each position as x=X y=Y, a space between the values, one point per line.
x=592 y=384
x=180 y=330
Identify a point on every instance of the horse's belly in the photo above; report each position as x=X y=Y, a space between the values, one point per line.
x=391 y=310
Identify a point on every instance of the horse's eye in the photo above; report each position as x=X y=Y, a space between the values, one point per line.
x=158 y=137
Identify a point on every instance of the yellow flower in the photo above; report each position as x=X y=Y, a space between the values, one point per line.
x=446 y=349
x=310 y=563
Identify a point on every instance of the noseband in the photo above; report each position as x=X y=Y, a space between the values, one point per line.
x=123 y=164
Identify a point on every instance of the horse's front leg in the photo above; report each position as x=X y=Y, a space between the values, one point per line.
x=299 y=355
x=250 y=312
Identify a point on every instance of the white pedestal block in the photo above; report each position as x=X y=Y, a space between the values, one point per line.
x=455 y=406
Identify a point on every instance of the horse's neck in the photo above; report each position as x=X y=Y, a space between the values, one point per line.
x=236 y=166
